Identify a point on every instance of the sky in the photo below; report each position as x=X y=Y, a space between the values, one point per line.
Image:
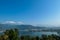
x=34 y=12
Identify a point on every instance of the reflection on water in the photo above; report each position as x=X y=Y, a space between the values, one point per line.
x=36 y=33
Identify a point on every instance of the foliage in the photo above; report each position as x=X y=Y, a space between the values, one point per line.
x=13 y=34
x=10 y=35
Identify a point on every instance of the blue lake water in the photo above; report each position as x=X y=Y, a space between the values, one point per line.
x=35 y=33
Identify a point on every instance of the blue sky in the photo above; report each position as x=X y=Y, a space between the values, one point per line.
x=35 y=12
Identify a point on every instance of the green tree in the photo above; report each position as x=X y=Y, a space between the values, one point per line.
x=12 y=34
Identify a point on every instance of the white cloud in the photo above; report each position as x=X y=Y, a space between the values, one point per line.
x=12 y=22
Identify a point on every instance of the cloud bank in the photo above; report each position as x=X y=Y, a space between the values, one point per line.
x=13 y=22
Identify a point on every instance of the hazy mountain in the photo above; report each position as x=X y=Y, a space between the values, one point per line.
x=22 y=27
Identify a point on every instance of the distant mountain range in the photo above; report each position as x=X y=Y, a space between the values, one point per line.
x=20 y=27
x=23 y=27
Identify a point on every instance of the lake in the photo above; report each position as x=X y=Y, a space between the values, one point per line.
x=34 y=33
